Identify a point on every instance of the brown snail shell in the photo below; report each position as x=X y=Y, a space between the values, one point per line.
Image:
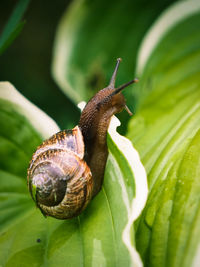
x=61 y=177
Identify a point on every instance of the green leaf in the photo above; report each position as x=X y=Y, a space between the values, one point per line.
x=90 y=37
x=101 y=236
x=42 y=123
x=166 y=132
x=14 y=25
x=18 y=140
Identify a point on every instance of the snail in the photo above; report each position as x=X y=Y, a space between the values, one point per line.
x=67 y=170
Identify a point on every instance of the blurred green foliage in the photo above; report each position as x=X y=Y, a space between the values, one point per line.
x=91 y=36
x=13 y=26
x=27 y=62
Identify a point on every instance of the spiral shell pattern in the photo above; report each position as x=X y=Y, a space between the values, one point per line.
x=59 y=180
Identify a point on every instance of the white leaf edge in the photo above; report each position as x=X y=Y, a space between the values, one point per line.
x=171 y=16
x=62 y=47
x=42 y=123
x=196 y=260
x=141 y=186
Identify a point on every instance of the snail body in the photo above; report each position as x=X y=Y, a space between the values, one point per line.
x=67 y=170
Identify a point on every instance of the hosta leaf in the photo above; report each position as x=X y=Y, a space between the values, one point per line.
x=91 y=35
x=40 y=121
x=18 y=140
x=166 y=132
x=101 y=236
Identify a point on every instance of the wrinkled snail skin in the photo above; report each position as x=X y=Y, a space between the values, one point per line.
x=67 y=170
x=94 y=129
